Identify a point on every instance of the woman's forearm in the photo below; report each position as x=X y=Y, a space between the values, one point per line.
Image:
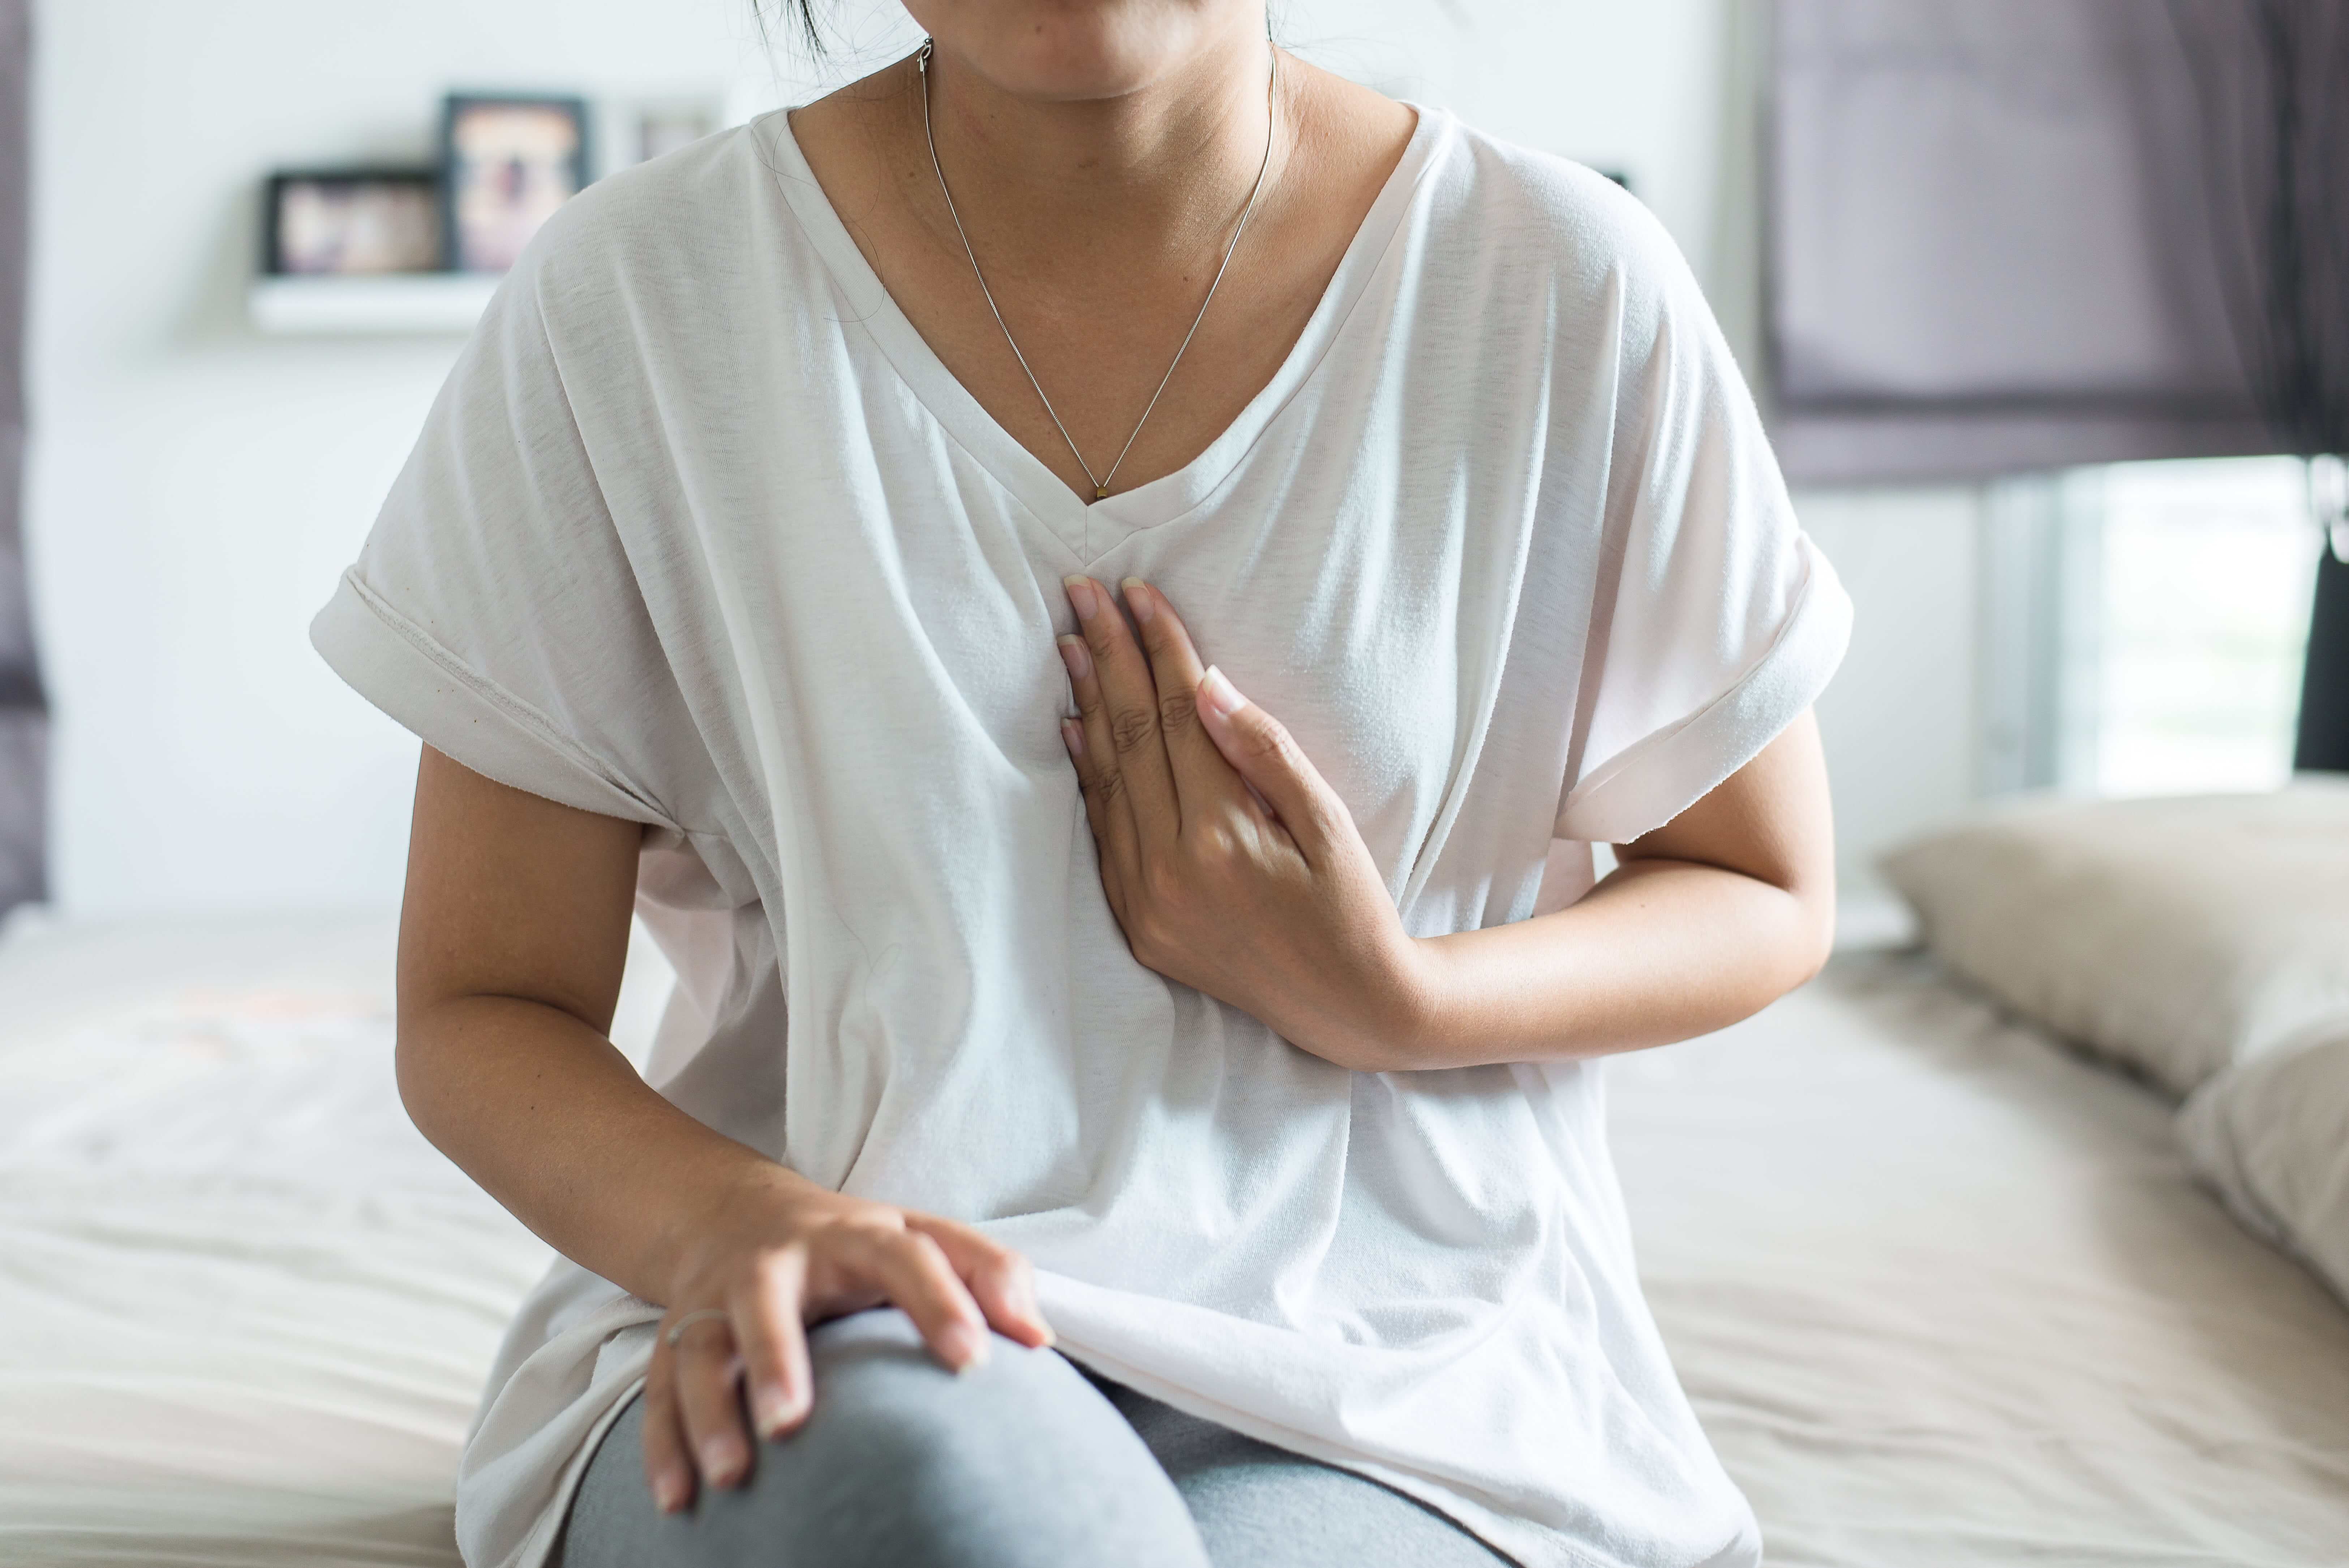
x=1660 y=951
x=548 y=1116
x=513 y=939
x=1705 y=920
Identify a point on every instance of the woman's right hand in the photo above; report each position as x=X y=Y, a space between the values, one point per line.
x=777 y=1258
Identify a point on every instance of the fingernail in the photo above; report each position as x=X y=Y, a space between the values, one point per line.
x=1138 y=599
x=721 y=1461
x=1081 y=595
x=770 y=1410
x=668 y=1493
x=1077 y=656
x=1072 y=735
x=1218 y=696
x=966 y=1347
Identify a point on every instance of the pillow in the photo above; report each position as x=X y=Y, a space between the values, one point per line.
x=2178 y=935
x=2273 y=1136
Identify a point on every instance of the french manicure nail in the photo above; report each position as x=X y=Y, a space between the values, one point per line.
x=718 y=1461
x=1138 y=599
x=668 y=1494
x=966 y=1347
x=1081 y=595
x=1077 y=656
x=1217 y=694
x=771 y=1410
x=1072 y=735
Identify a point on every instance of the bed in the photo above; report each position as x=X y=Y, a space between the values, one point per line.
x=1943 y=1293
x=248 y=1307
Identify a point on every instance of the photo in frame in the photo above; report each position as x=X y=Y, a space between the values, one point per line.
x=354 y=222
x=506 y=164
x=662 y=128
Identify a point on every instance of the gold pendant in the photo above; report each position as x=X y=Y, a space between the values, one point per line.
x=1101 y=492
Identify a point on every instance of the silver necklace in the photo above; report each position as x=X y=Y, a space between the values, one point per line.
x=1100 y=482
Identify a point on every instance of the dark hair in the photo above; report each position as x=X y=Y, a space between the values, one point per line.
x=799 y=17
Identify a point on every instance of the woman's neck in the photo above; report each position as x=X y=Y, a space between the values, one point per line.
x=1098 y=220
x=1151 y=168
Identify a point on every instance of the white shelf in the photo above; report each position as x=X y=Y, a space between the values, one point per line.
x=410 y=303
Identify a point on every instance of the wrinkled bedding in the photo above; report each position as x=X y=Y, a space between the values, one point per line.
x=1944 y=1293
x=1947 y=1295
x=248 y=1309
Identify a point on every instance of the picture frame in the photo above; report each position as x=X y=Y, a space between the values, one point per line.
x=507 y=162
x=637 y=125
x=356 y=221
x=658 y=127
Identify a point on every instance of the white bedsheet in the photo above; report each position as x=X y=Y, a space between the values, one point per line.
x=1945 y=1295
x=244 y=1308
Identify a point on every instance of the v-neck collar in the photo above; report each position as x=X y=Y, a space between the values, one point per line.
x=1092 y=528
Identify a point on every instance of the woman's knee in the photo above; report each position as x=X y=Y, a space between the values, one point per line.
x=903 y=1463
x=1018 y=1462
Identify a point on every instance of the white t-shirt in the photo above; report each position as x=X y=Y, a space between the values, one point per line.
x=700 y=534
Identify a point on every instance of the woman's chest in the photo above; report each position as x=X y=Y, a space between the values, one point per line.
x=902 y=660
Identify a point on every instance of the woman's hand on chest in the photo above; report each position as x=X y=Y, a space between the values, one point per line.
x=1230 y=864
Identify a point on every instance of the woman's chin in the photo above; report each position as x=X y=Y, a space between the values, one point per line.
x=1073 y=51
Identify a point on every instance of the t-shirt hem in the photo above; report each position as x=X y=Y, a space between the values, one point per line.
x=1655 y=780
x=429 y=691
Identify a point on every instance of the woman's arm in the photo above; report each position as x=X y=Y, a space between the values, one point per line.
x=1712 y=917
x=512 y=941
x=1232 y=866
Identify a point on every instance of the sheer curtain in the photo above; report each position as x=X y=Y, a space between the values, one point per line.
x=2271 y=78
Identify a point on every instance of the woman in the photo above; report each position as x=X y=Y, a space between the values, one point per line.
x=1246 y=1046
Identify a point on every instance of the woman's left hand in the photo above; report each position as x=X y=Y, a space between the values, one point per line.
x=1230 y=864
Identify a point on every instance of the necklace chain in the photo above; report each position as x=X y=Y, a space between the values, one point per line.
x=1100 y=482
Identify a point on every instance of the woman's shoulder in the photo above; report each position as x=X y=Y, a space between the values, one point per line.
x=675 y=226
x=1536 y=212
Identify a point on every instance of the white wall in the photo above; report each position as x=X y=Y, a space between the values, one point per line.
x=196 y=487
x=1901 y=723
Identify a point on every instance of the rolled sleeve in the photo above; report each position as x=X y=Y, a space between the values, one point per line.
x=460 y=712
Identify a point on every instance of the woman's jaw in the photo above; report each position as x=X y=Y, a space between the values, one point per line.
x=1076 y=51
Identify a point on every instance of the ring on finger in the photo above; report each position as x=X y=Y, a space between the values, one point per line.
x=676 y=1335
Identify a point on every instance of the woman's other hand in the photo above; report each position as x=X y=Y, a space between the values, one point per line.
x=777 y=1256
x=1230 y=864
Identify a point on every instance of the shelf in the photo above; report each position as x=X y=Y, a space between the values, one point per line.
x=398 y=303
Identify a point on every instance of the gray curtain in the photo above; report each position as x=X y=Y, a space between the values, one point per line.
x=1991 y=241
x=2271 y=92
x=24 y=716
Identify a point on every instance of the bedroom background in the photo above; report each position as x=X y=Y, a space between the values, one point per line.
x=196 y=485
x=1939 y=1242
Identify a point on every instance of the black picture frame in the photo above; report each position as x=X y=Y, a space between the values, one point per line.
x=469 y=242
x=281 y=191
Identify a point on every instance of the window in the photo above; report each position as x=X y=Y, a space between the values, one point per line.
x=2202 y=601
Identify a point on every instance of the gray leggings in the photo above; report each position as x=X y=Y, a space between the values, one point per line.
x=1026 y=1464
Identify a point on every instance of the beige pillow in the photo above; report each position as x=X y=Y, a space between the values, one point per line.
x=2273 y=1136
x=2179 y=936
